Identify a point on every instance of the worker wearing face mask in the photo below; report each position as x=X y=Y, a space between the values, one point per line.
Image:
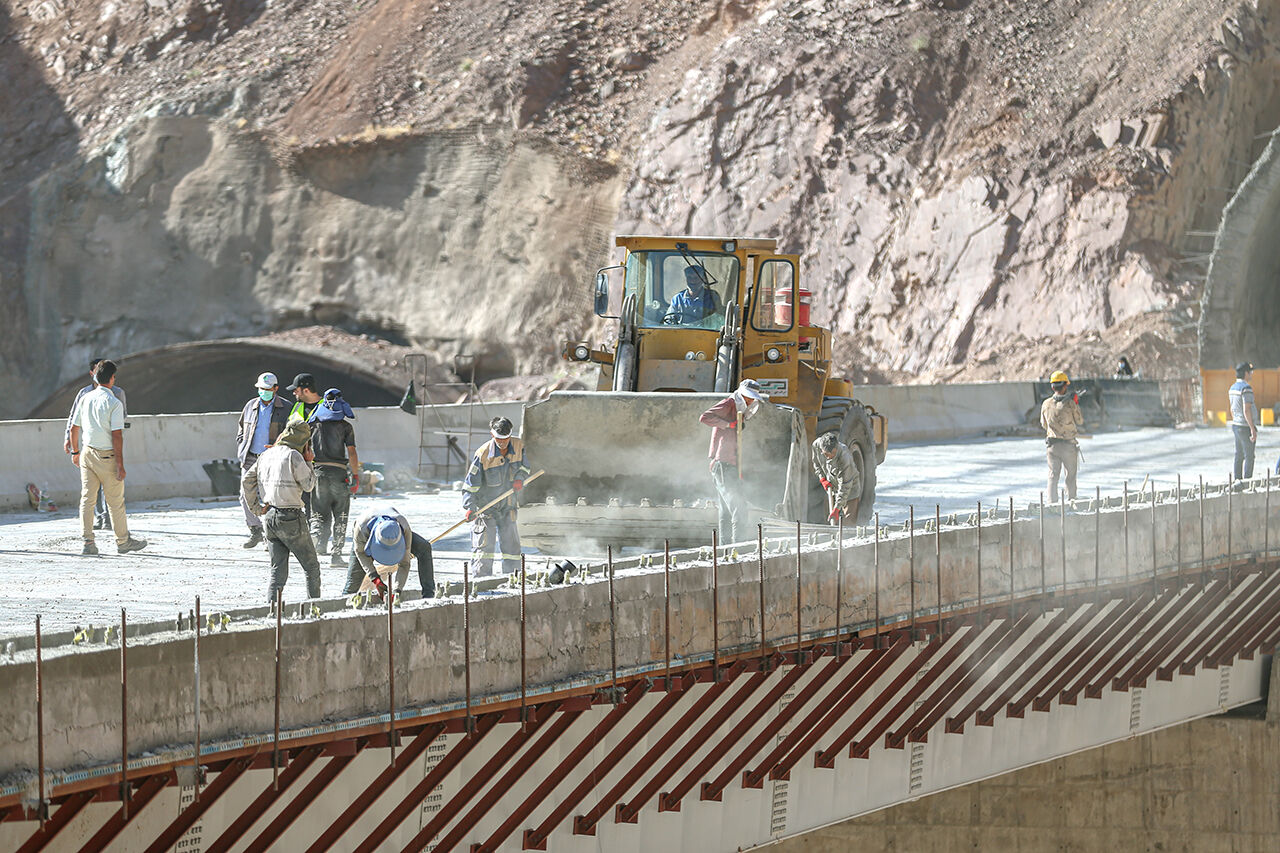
x=725 y=419
x=261 y=421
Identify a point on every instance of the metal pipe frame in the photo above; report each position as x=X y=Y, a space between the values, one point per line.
x=1080 y=619
x=1206 y=601
x=1236 y=639
x=49 y=829
x=585 y=824
x=1078 y=656
x=247 y=818
x=192 y=813
x=1106 y=664
x=1144 y=642
x=1239 y=602
x=1253 y=640
x=861 y=748
x=958 y=645
x=1081 y=672
x=985 y=717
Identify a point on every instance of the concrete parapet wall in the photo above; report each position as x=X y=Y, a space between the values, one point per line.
x=335 y=666
x=164 y=453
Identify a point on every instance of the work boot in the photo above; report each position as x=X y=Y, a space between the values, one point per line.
x=337 y=559
x=322 y=547
x=255 y=537
x=90 y=550
x=131 y=545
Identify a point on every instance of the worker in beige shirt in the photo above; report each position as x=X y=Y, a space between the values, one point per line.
x=1061 y=419
x=272 y=488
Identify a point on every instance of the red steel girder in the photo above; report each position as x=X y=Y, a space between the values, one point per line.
x=1256 y=639
x=192 y=813
x=1086 y=644
x=106 y=833
x=956 y=723
x=844 y=694
x=629 y=811
x=526 y=807
x=826 y=758
x=669 y=801
x=1095 y=657
x=713 y=790
x=1162 y=614
x=536 y=839
x=926 y=717
x=411 y=801
x=313 y=789
x=1056 y=624
x=957 y=647
x=1226 y=650
x=472 y=786
x=1208 y=600
x=585 y=824
x=563 y=720
x=385 y=779
x=259 y=806
x=66 y=812
x=1240 y=603
x=862 y=748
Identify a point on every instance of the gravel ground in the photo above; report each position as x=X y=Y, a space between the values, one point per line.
x=194 y=548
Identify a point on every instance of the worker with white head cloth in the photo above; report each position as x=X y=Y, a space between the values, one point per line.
x=498 y=466
x=726 y=418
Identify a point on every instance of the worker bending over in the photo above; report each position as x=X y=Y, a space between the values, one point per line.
x=380 y=539
x=497 y=466
x=725 y=418
x=833 y=463
x=1061 y=419
x=272 y=487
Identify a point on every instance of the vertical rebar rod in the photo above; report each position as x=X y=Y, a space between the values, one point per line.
x=524 y=666
x=978 y=548
x=391 y=673
x=911 y=564
x=937 y=555
x=840 y=580
x=1012 y=591
x=1202 y=558
x=1266 y=520
x=1155 y=582
x=613 y=632
x=666 y=613
x=715 y=606
x=124 y=713
x=799 y=596
x=1178 y=524
x=1044 y=581
x=760 y=570
x=275 y=738
x=196 y=710
x=1097 y=539
x=1126 y=535
x=40 y=809
x=466 y=644
x=1062 y=534
x=1231 y=488
x=876 y=560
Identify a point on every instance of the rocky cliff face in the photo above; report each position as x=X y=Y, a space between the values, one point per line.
x=977 y=189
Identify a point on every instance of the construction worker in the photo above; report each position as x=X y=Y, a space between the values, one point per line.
x=259 y=426
x=1061 y=420
x=497 y=466
x=379 y=540
x=97 y=449
x=100 y=519
x=333 y=442
x=1244 y=420
x=305 y=396
x=272 y=488
x=695 y=303
x=725 y=418
x=839 y=476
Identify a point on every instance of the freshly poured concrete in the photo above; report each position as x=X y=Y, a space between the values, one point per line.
x=195 y=547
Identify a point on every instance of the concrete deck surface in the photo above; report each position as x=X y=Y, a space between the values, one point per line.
x=194 y=547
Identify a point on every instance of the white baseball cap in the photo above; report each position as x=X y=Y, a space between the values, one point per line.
x=267 y=381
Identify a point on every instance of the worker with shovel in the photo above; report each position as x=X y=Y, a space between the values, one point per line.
x=833 y=464
x=726 y=419
x=497 y=466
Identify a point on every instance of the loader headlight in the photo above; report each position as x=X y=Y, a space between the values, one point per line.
x=773 y=355
x=729 y=245
x=700 y=356
x=689 y=356
x=578 y=351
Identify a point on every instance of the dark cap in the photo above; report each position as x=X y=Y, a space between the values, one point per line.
x=1242 y=368
x=302 y=380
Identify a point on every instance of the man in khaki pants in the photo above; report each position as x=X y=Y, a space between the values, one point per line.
x=97 y=447
x=1061 y=420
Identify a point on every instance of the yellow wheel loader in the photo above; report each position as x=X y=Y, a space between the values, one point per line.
x=627 y=464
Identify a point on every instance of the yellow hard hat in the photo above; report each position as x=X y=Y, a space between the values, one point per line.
x=1059 y=376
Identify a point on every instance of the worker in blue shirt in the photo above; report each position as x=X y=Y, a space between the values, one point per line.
x=695 y=303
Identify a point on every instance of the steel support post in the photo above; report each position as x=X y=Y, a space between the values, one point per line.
x=391 y=670
x=524 y=664
x=1044 y=581
x=199 y=768
x=760 y=571
x=715 y=607
x=275 y=731
x=876 y=559
x=124 y=713
x=1178 y=525
x=799 y=594
x=42 y=808
x=613 y=634
x=911 y=565
x=1126 y=534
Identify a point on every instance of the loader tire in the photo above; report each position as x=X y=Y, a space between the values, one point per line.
x=849 y=421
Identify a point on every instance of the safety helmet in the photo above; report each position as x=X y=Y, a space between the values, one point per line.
x=1059 y=376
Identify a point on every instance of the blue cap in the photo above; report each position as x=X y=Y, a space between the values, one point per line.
x=386 y=542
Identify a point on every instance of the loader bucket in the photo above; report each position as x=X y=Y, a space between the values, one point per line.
x=631 y=469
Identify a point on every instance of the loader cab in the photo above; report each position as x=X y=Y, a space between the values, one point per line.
x=681 y=290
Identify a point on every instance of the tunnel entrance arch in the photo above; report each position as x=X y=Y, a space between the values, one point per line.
x=218 y=376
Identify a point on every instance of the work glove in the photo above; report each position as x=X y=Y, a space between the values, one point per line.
x=826 y=484
x=471 y=515
x=380 y=587
x=517 y=485
x=835 y=512
x=355 y=485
